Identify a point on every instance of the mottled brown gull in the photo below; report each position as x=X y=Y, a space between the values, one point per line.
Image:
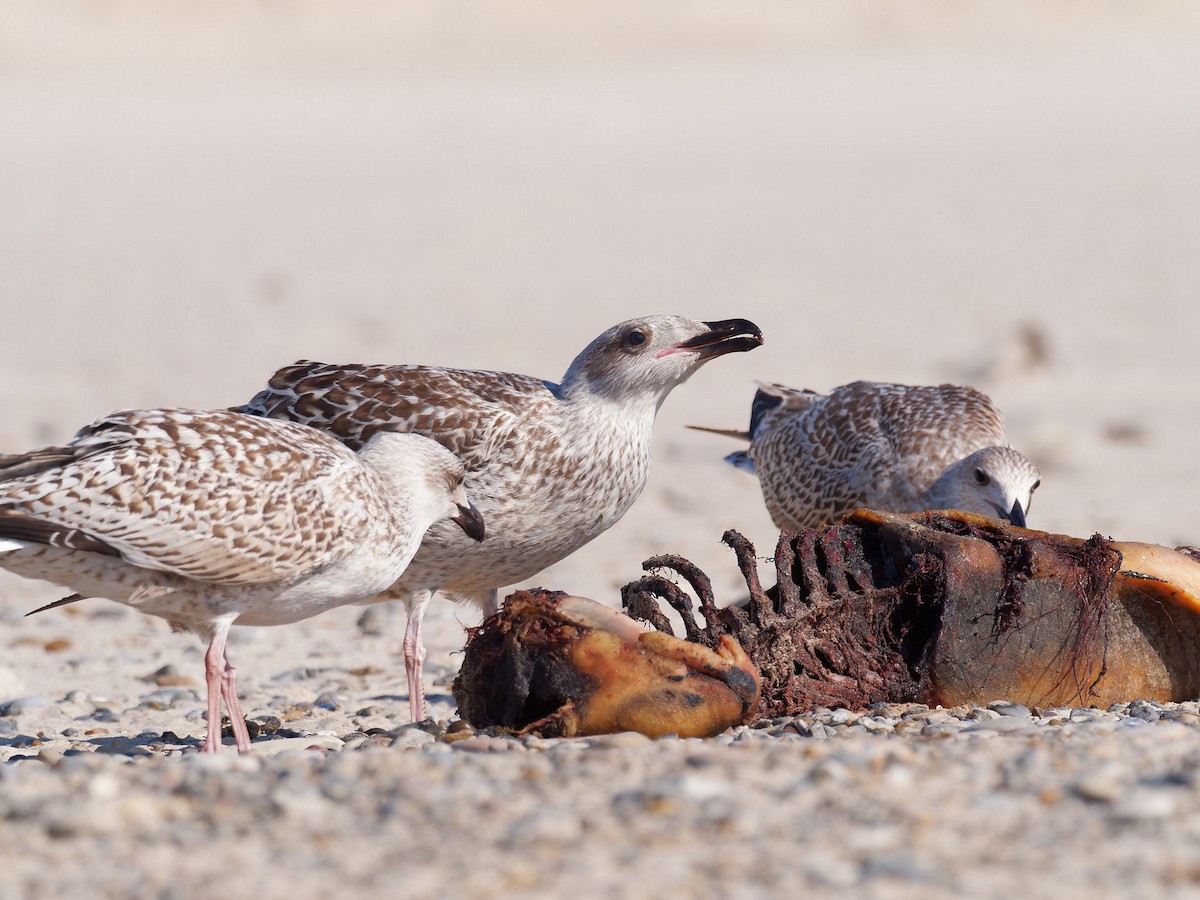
x=891 y=447
x=210 y=518
x=551 y=466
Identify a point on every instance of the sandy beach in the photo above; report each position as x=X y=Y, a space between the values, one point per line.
x=192 y=197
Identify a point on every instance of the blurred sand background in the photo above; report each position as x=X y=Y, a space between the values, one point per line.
x=1007 y=195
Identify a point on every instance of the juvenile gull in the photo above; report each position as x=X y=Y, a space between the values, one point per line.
x=211 y=518
x=890 y=447
x=551 y=466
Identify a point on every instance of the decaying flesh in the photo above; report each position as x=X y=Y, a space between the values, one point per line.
x=950 y=608
x=563 y=666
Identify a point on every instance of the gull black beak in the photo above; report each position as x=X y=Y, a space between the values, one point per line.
x=470 y=521
x=725 y=336
x=1017 y=515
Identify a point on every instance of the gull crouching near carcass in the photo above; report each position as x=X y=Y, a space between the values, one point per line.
x=890 y=447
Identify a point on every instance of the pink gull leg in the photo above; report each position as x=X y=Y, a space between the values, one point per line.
x=222 y=684
x=414 y=655
x=241 y=734
x=214 y=670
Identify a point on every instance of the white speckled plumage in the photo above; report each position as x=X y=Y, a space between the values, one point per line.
x=207 y=518
x=892 y=447
x=550 y=466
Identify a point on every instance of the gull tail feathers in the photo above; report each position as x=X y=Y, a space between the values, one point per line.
x=57 y=603
x=772 y=398
x=20 y=529
x=724 y=432
x=739 y=459
x=23 y=465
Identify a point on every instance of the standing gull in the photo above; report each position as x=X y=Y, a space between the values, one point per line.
x=890 y=447
x=551 y=466
x=211 y=518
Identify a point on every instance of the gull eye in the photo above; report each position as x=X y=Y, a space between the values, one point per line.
x=981 y=477
x=1037 y=484
x=635 y=339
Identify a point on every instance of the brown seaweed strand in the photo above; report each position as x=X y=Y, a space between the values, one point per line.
x=1017 y=557
x=1094 y=566
x=1101 y=563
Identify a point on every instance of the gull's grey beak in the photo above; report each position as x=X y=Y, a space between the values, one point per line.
x=1017 y=515
x=470 y=521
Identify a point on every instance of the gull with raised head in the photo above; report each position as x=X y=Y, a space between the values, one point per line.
x=551 y=466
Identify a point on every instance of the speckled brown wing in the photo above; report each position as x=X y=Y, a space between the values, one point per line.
x=816 y=455
x=211 y=496
x=471 y=413
x=928 y=429
x=931 y=427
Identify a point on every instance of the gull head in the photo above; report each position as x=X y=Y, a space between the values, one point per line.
x=426 y=478
x=646 y=358
x=996 y=481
